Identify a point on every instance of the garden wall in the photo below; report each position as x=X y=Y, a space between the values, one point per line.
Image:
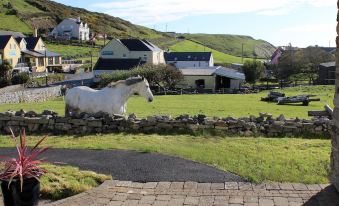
x=334 y=177
x=264 y=124
x=29 y=95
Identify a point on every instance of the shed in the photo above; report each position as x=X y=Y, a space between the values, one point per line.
x=327 y=73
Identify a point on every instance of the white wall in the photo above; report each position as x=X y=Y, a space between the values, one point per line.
x=186 y=64
x=71 y=25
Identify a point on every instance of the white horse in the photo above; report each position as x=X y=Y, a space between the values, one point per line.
x=112 y=99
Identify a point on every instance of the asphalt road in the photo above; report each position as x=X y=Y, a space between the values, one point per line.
x=136 y=166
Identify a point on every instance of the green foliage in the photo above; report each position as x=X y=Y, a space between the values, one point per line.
x=301 y=63
x=164 y=76
x=234 y=105
x=5 y=73
x=219 y=57
x=254 y=70
x=41 y=81
x=258 y=159
x=21 y=78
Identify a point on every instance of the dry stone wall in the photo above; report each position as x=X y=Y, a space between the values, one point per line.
x=264 y=124
x=334 y=177
x=29 y=95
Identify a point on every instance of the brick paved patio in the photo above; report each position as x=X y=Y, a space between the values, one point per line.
x=126 y=193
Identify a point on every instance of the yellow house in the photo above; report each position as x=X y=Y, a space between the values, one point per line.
x=133 y=49
x=9 y=50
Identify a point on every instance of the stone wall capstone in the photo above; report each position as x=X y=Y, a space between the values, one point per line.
x=334 y=176
x=82 y=124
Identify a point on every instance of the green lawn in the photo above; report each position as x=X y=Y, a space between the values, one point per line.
x=72 y=51
x=13 y=23
x=23 y=6
x=64 y=181
x=187 y=46
x=258 y=159
x=210 y=104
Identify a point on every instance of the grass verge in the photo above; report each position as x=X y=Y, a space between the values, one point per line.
x=257 y=159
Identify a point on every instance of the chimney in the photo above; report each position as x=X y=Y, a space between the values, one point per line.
x=35 y=32
x=78 y=20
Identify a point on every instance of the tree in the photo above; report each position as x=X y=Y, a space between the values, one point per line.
x=254 y=70
x=5 y=70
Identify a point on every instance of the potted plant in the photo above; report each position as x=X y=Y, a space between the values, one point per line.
x=20 y=178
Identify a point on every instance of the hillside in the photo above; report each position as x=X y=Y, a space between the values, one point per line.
x=219 y=57
x=232 y=44
x=24 y=15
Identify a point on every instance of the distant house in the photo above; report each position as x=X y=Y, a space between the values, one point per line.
x=11 y=33
x=276 y=55
x=71 y=29
x=327 y=73
x=133 y=49
x=9 y=50
x=22 y=52
x=189 y=59
x=212 y=78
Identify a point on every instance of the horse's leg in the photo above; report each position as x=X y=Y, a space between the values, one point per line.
x=66 y=110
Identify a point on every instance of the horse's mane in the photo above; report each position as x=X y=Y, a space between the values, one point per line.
x=128 y=82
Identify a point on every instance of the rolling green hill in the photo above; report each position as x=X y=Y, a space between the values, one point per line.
x=24 y=15
x=232 y=44
x=219 y=57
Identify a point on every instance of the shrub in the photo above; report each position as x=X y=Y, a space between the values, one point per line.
x=21 y=78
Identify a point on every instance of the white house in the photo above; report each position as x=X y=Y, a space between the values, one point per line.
x=189 y=59
x=125 y=54
x=71 y=29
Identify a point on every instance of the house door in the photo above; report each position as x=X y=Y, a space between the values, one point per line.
x=222 y=82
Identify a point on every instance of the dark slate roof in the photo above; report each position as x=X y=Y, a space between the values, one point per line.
x=31 y=42
x=139 y=45
x=11 y=33
x=117 y=64
x=187 y=56
x=4 y=40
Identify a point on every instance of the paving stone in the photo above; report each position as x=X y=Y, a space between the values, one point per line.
x=163 y=185
x=147 y=199
x=259 y=186
x=314 y=187
x=280 y=201
x=231 y=186
x=204 y=186
x=265 y=202
x=251 y=204
x=115 y=203
x=299 y=186
x=245 y=186
x=130 y=203
x=295 y=199
x=163 y=197
x=123 y=183
x=251 y=199
x=150 y=185
x=217 y=186
x=191 y=201
x=286 y=186
x=272 y=186
x=160 y=203
x=137 y=185
x=191 y=185
x=177 y=185
x=236 y=200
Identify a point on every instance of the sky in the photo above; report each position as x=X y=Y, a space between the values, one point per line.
x=299 y=22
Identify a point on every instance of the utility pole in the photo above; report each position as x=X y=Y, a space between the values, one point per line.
x=242 y=53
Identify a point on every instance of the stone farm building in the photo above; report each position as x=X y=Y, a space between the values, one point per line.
x=189 y=59
x=212 y=79
x=125 y=54
x=22 y=52
x=71 y=29
x=327 y=73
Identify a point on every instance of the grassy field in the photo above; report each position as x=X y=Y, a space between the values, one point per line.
x=258 y=159
x=232 y=44
x=64 y=181
x=72 y=51
x=186 y=46
x=13 y=23
x=210 y=104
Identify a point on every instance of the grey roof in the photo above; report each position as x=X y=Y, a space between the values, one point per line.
x=117 y=64
x=41 y=53
x=209 y=71
x=328 y=64
x=139 y=45
x=187 y=56
x=11 y=33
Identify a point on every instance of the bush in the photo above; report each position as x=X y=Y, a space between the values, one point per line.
x=21 y=78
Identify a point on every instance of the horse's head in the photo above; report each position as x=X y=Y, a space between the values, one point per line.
x=141 y=87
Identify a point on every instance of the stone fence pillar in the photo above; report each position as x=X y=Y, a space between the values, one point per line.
x=334 y=178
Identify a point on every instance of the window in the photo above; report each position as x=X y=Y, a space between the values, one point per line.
x=10 y=46
x=41 y=62
x=200 y=83
x=50 y=60
x=14 y=46
x=124 y=55
x=57 y=60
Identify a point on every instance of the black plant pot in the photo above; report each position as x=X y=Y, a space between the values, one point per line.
x=13 y=196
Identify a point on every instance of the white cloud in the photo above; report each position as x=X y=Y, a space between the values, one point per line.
x=149 y=12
